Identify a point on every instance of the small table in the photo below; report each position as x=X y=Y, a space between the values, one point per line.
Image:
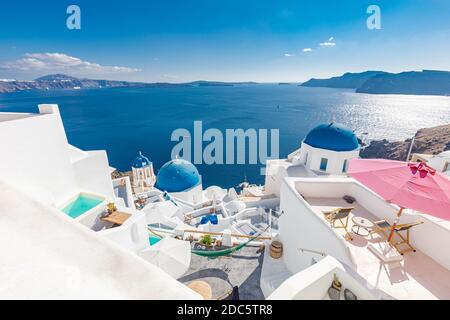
x=362 y=223
x=203 y=288
x=117 y=218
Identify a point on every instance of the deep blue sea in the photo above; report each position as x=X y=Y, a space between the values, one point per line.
x=124 y=121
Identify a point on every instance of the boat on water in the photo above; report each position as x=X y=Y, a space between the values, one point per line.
x=316 y=229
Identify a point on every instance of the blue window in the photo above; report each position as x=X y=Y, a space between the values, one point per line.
x=344 y=167
x=323 y=164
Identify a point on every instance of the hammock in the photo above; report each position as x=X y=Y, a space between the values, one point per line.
x=224 y=252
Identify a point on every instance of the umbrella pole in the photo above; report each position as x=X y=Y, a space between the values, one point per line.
x=391 y=234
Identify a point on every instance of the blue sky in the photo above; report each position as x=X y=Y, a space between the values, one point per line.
x=230 y=40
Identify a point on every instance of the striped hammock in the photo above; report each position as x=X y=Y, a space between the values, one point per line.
x=224 y=252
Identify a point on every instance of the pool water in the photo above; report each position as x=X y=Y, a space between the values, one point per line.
x=82 y=204
x=153 y=240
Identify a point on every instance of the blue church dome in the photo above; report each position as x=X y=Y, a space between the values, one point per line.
x=332 y=136
x=141 y=161
x=177 y=175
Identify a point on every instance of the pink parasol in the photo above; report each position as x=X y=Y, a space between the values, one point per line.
x=415 y=186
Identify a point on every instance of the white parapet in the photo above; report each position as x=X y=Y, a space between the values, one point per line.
x=48 y=255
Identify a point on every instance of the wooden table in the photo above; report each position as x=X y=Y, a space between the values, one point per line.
x=202 y=288
x=117 y=217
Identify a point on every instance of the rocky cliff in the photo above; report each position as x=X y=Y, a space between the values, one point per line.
x=347 y=80
x=426 y=82
x=429 y=141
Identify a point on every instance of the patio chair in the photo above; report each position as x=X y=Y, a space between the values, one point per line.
x=341 y=215
x=384 y=228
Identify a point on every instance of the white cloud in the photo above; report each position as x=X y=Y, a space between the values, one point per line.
x=60 y=62
x=289 y=55
x=307 y=50
x=329 y=43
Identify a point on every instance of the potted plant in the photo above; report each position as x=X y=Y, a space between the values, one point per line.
x=206 y=240
x=336 y=283
x=334 y=292
x=111 y=207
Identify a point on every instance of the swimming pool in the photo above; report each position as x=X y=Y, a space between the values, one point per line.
x=154 y=240
x=81 y=204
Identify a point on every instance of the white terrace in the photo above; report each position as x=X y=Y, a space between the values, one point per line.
x=48 y=255
x=420 y=275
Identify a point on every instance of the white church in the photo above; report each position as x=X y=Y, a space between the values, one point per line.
x=143 y=175
x=326 y=151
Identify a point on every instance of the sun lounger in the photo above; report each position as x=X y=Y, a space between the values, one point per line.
x=385 y=253
x=341 y=215
x=402 y=244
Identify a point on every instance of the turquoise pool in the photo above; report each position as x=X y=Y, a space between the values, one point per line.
x=82 y=204
x=154 y=240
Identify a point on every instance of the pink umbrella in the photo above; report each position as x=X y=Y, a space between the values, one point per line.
x=409 y=185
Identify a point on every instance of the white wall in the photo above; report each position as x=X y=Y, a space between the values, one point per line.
x=34 y=154
x=132 y=235
x=276 y=171
x=313 y=283
x=92 y=173
x=300 y=227
x=36 y=158
x=313 y=157
x=440 y=162
x=193 y=196
x=128 y=190
x=47 y=255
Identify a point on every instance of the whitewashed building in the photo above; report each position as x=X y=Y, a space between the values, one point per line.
x=326 y=150
x=143 y=175
x=182 y=180
x=53 y=241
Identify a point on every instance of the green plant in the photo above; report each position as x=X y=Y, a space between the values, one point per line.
x=111 y=207
x=206 y=240
x=336 y=283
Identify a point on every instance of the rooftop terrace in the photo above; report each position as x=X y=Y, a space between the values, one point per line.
x=416 y=277
x=242 y=269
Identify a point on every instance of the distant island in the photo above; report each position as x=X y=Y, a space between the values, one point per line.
x=426 y=82
x=62 y=81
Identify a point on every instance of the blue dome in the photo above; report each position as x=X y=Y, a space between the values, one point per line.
x=332 y=136
x=141 y=161
x=177 y=175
